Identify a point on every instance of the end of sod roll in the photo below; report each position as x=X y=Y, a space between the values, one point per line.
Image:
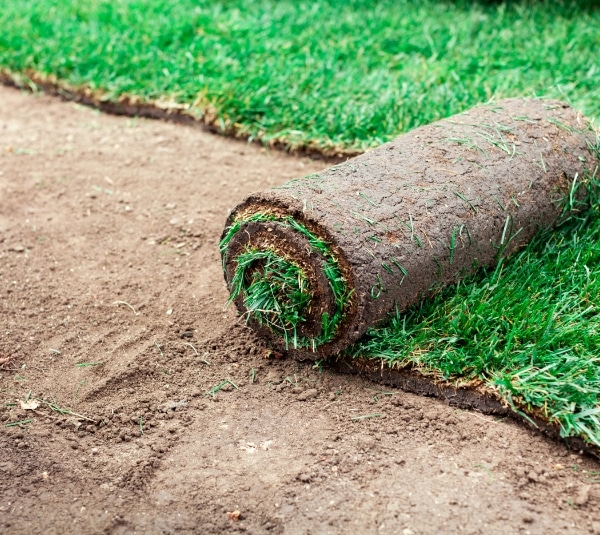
x=286 y=278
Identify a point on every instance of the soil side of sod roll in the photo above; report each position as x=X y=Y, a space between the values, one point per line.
x=385 y=229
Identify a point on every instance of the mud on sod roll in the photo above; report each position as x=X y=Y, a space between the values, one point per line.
x=316 y=262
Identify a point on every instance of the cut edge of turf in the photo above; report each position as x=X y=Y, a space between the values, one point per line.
x=206 y=117
x=463 y=394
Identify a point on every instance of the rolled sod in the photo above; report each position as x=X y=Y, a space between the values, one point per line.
x=314 y=263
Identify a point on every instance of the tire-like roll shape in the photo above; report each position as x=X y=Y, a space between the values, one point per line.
x=316 y=262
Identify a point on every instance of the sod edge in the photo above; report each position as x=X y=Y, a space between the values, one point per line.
x=462 y=393
x=205 y=116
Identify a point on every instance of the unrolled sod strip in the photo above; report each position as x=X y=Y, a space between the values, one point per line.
x=316 y=262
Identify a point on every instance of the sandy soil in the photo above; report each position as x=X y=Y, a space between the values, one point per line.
x=112 y=305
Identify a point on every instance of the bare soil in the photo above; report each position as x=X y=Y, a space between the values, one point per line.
x=112 y=305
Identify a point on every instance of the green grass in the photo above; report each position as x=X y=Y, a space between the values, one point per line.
x=275 y=291
x=342 y=75
x=278 y=292
x=529 y=328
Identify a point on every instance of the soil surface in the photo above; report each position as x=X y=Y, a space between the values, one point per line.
x=162 y=413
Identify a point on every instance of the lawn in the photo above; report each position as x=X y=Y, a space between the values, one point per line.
x=340 y=77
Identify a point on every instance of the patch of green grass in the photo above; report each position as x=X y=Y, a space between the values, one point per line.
x=277 y=293
x=21 y=423
x=529 y=328
x=329 y=74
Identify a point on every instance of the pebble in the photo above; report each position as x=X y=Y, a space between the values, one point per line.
x=583 y=495
x=308 y=394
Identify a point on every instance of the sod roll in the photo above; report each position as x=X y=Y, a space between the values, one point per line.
x=316 y=262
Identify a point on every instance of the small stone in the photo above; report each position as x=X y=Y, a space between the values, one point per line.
x=583 y=495
x=308 y=394
x=366 y=442
x=234 y=515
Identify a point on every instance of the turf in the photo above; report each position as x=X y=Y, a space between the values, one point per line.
x=530 y=328
x=331 y=75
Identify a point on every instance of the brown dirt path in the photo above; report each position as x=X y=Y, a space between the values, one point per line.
x=97 y=210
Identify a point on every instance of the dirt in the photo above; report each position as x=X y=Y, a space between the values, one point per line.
x=112 y=301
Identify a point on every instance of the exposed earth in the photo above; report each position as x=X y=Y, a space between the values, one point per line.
x=113 y=307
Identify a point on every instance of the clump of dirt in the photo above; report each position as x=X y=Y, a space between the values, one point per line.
x=147 y=406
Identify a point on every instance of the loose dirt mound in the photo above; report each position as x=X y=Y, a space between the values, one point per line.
x=112 y=306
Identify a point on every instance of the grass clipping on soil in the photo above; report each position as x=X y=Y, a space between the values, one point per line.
x=319 y=262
